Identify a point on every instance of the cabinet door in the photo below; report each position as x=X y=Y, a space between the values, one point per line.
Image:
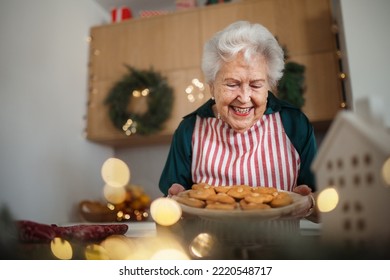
x=163 y=42
x=216 y=17
x=322 y=98
x=107 y=51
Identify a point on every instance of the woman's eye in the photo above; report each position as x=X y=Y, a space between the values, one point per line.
x=231 y=85
x=256 y=86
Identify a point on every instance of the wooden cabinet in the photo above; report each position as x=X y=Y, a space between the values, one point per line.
x=172 y=44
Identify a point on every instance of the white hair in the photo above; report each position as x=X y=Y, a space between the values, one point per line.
x=251 y=39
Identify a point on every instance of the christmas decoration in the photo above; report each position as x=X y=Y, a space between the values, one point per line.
x=152 y=13
x=134 y=208
x=138 y=84
x=185 y=4
x=212 y=2
x=291 y=85
x=120 y=14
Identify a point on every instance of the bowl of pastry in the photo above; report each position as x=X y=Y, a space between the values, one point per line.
x=241 y=201
x=245 y=214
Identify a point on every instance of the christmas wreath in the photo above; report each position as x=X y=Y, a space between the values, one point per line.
x=140 y=83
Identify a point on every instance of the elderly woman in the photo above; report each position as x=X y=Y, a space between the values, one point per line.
x=243 y=135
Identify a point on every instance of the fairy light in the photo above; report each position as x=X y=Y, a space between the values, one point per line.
x=327 y=199
x=202 y=245
x=386 y=171
x=130 y=127
x=61 y=249
x=115 y=173
x=96 y=252
x=165 y=211
x=195 y=90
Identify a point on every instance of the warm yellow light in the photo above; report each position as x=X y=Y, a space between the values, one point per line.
x=114 y=195
x=189 y=89
x=191 y=98
x=169 y=254
x=202 y=245
x=61 y=249
x=165 y=211
x=327 y=200
x=118 y=247
x=386 y=171
x=96 y=252
x=115 y=172
x=145 y=92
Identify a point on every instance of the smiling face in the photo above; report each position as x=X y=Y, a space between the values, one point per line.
x=240 y=91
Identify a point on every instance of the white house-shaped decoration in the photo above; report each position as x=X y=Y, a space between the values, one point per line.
x=351 y=160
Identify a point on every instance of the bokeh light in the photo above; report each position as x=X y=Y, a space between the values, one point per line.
x=170 y=254
x=114 y=195
x=96 y=252
x=165 y=211
x=115 y=173
x=118 y=247
x=61 y=249
x=202 y=245
x=327 y=199
x=386 y=171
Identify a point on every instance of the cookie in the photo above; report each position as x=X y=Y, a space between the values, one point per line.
x=201 y=186
x=282 y=199
x=189 y=201
x=255 y=197
x=253 y=206
x=239 y=192
x=222 y=189
x=222 y=198
x=221 y=206
x=202 y=194
x=265 y=190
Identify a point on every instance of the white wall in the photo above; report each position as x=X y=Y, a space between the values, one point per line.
x=366 y=44
x=46 y=164
x=146 y=164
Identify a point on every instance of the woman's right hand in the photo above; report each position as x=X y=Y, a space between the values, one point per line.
x=175 y=189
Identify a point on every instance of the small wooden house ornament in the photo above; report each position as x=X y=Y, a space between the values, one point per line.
x=353 y=163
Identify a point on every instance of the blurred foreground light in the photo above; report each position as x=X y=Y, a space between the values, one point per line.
x=114 y=195
x=327 y=199
x=115 y=172
x=202 y=245
x=386 y=171
x=61 y=249
x=118 y=247
x=165 y=211
x=170 y=254
x=96 y=252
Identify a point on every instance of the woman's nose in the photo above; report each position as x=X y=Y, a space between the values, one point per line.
x=245 y=94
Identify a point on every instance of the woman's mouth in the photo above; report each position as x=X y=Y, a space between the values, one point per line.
x=241 y=111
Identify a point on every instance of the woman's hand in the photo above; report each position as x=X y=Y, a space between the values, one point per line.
x=175 y=189
x=312 y=213
x=302 y=190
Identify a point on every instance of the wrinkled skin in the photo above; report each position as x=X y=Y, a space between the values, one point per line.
x=240 y=91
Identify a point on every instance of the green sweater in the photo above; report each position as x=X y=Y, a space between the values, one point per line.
x=296 y=125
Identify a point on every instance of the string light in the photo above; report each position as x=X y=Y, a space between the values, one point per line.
x=195 y=90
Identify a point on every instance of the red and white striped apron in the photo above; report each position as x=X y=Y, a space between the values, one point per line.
x=262 y=156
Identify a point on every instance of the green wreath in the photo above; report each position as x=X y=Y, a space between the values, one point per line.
x=159 y=102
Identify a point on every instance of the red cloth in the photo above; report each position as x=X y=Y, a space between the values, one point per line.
x=33 y=232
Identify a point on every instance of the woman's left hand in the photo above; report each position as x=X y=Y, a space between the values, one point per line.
x=302 y=190
x=311 y=211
